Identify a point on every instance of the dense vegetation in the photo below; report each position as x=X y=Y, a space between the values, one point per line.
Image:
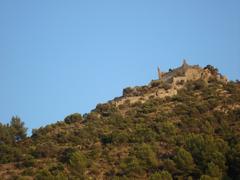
x=192 y=135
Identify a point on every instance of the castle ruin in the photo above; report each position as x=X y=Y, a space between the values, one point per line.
x=168 y=83
x=186 y=73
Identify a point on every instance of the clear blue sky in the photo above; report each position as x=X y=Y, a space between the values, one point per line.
x=59 y=57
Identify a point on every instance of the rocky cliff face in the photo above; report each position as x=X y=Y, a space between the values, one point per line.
x=169 y=83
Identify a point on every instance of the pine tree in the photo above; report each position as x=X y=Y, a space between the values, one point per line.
x=18 y=129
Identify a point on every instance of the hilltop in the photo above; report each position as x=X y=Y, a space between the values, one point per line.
x=184 y=125
x=169 y=83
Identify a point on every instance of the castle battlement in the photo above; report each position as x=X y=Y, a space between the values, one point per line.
x=169 y=83
x=182 y=71
x=187 y=72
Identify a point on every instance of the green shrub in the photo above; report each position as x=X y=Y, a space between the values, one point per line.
x=131 y=167
x=28 y=172
x=44 y=174
x=47 y=149
x=146 y=155
x=78 y=164
x=10 y=153
x=76 y=117
x=184 y=161
x=56 y=169
x=212 y=69
x=169 y=165
x=29 y=161
x=119 y=137
x=106 y=139
x=234 y=161
x=105 y=109
x=214 y=171
x=205 y=149
x=164 y=175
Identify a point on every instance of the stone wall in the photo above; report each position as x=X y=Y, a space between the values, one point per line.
x=193 y=73
x=168 y=84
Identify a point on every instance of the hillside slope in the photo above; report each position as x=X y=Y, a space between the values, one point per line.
x=185 y=125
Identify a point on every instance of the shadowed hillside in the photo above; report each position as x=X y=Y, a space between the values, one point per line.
x=185 y=125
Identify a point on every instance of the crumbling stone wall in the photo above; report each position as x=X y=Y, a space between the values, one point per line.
x=167 y=84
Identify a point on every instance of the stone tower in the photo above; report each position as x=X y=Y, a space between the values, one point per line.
x=160 y=74
x=185 y=64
